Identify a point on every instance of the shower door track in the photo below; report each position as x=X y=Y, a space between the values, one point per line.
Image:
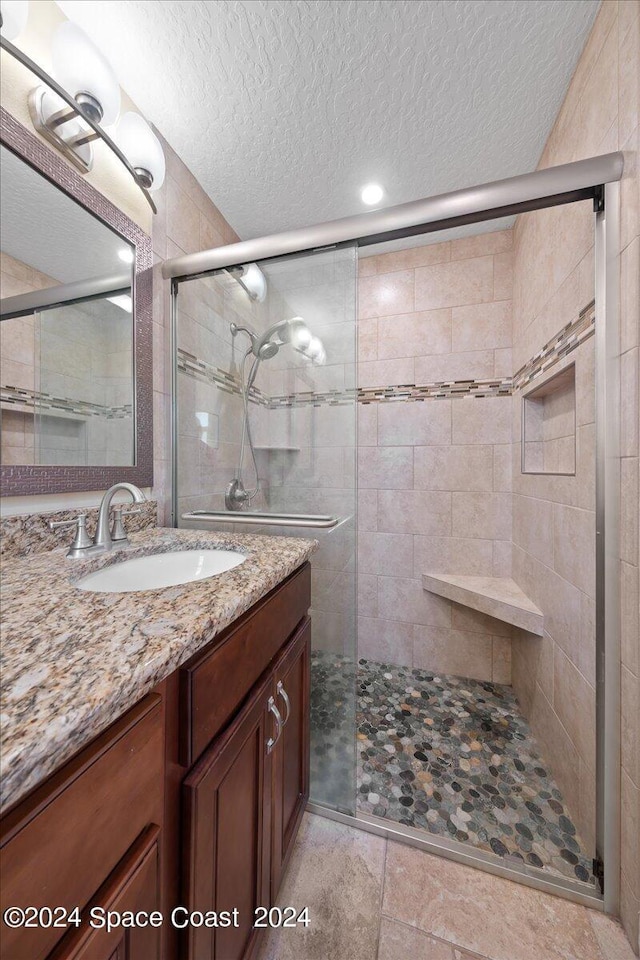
x=596 y=178
x=462 y=853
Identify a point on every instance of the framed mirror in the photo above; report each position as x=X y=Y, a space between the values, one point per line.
x=76 y=375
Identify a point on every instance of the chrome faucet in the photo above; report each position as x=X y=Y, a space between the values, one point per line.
x=105 y=538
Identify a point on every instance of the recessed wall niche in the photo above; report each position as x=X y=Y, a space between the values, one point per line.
x=549 y=425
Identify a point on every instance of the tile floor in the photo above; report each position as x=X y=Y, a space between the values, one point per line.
x=444 y=754
x=376 y=899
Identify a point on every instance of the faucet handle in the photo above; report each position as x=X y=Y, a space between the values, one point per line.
x=118 y=532
x=82 y=540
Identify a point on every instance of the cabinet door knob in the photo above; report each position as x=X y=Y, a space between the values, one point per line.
x=271 y=742
x=283 y=693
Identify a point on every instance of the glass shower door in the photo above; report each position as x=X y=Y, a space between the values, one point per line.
x=266 y=396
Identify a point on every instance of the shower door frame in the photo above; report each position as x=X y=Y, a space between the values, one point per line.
x=598 y=179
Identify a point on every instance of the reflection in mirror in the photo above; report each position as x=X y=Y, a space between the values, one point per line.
x=66 y=334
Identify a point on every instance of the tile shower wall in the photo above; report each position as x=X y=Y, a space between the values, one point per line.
x=553 y=517
x=187 y=221
x=434 y=475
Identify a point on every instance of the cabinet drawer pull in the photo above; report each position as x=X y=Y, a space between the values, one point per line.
x=283 y=693
x=271 y=742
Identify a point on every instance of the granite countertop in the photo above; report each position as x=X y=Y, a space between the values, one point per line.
x=73 y=661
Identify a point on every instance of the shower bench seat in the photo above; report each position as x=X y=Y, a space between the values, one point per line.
x=499 y=597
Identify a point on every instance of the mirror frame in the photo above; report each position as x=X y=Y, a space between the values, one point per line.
x=24 y=479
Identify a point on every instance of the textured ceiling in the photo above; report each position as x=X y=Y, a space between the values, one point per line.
x=283 y=109
x=45 y=228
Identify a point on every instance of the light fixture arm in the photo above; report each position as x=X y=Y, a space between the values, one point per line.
x=78 y=111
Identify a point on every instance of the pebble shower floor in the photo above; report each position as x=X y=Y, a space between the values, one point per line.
x=448 y=755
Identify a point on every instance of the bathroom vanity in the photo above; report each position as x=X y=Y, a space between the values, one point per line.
x=181 y=811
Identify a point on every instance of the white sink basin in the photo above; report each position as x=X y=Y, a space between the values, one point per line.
x=161 y=570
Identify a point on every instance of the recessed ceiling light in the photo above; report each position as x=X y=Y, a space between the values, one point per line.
x=126 y=255
x=372 y=194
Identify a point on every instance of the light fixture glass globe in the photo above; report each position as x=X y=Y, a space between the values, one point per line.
x=14 y=17
x=80 y=68
x=141 y=147
x=255 y=281
x=372 y=194
x=300 y=334
x=315 y=349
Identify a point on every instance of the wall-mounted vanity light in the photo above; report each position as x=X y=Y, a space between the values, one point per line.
x=71 y=108
x=139 y=143
x=14 y=15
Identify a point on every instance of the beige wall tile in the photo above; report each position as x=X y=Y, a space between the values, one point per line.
x=630 y=732
x=453 y=651
x=483 y=515
x=482 y=420
x=497 y=241
x=503 y=276
x=533 y=527
x=501 y=660
x=405 y=599
x=480 y=326
x=414 y=334
x=384 y=373
x=574 y=702
x=454 y=284
x=423 y=512
x=389 y=468
x=367 y=340
x=378 y=553
x=574 y=538
x=457 y=467
x=421 y=423
x=445 y=368
x=387 y=641
x=413 y=257
x=386 y=294
x=461 y=556
x=367 y=418
x=367 y=595
x=630 y=617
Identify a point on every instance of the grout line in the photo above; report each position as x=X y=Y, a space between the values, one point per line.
x=433 y=936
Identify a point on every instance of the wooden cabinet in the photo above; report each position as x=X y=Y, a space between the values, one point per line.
x=243 y=802
x=133 y=889
x=191 y=800
x=63 y=842
x=291 y=753
x=226 y=838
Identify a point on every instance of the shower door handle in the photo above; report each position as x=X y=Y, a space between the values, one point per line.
x=283 y=693
x=271 y=742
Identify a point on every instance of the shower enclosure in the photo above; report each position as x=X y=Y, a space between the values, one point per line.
x=266 y=431
x=433 y=727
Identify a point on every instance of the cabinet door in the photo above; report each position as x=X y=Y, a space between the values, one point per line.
x=133 y=887
x=227 y=833
x=291 y=753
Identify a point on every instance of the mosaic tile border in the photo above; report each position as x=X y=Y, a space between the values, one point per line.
x=37 y=400
x=561 y=345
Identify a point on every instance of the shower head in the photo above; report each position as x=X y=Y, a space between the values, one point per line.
x=293 y=331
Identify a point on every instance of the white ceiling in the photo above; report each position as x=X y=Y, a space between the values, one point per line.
x=283 y=109
x=45 y=228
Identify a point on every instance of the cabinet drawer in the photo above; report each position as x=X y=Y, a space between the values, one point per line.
x=134 y=886
x=66 y=838
x=214 y=683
